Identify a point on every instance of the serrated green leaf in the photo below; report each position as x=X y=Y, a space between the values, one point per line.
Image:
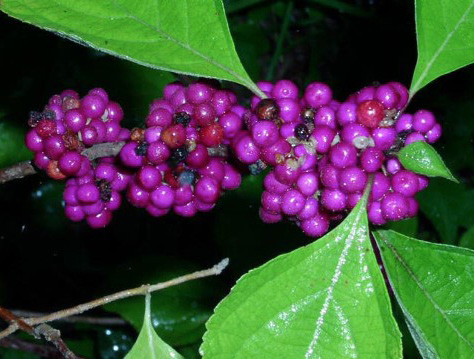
x=325 y=300
x=420 y=157
x=434 y=285
x=444 y=36
x=149 y=345
x=190 y=37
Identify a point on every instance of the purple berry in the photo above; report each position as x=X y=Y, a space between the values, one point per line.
x=285 y=89
x=292 y=202
x=87 y=193
x=100 y=220
x=371 y=159
x=323 y=137
x=347 y=113
x=384 y=137
x=310 y=209
x=264 y=133
x=352 y=179
x=207 y=190
x=343 y=155
x=318 y=94
x=129 y=156
x=93 y=106
x=333 y=199
x=70 y=163
x=162 y=197
x=394 y=207
x=423 y=121
x=325 y=116
x=375 y=213
x=330 y=176
x=271 y=202
x=148 y=177
x=380 y=186
x=434 y=133
x=405 y=182
x=315 y=226
x=307 y=183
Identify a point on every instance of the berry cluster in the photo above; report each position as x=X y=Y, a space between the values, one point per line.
x=94 y=195
x=180 y=157
x=323 y=152
x=67 y=126
x=61 y=132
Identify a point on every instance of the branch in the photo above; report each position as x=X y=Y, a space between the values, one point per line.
x=17 y=171
x=50 y=334
x=142 y=290
x=24 y=169
x=108 y=149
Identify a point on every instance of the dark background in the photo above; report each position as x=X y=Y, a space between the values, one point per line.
x=48 y=263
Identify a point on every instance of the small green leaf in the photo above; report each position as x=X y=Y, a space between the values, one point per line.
x=420 y=157
x=325 y=300
x=190 y=37
x=148 y=344
x=444 y=34
x=434 y=285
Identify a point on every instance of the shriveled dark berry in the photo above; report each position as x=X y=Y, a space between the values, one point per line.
x=137 y=134
x=71 y=141
x=187 y=177
x=35 y=118
x=105 y=190
x=49 y=115
x=257 y=167
x=182 y=118
x=301 y=132
x=140 y=150
x=399 y=142
x=268 y=110
x=308 y=115
x=178 y=155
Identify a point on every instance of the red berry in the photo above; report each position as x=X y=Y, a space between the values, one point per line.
x=211 y=135
x=46 y=128
x=54 y=172
x=174 y=136
x=370 y=113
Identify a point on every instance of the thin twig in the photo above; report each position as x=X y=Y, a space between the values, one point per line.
x=54 y=337
x=50 y=334
x=75 y=318
x=142 y=290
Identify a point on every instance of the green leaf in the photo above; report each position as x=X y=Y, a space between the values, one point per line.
x=149 y=345
x=190 y=37
x=408 y=227
x=325 y=300
x=420 y=157
x=467 y=239
x=12 y=144
x=434 y=285
x=448 y=206
x=444 y=35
